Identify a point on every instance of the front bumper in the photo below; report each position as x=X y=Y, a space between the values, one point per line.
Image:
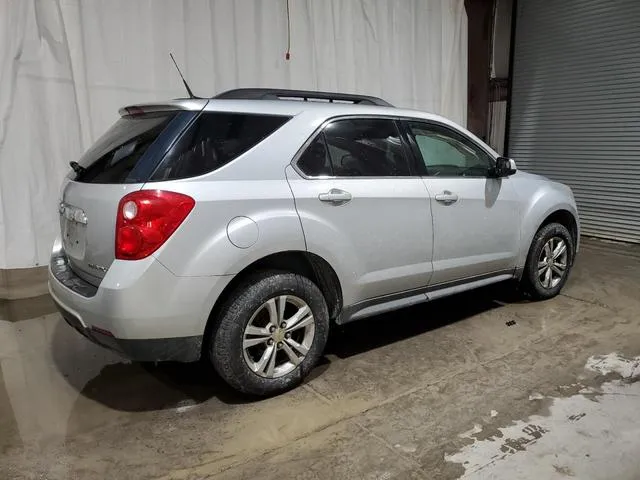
x=140 y=309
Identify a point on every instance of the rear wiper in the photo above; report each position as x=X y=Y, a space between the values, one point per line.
x=79 y=169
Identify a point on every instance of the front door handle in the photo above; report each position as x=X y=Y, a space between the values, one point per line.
x=335 y=196
x=446 y=197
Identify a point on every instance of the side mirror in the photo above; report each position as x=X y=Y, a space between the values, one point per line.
x=504 y=167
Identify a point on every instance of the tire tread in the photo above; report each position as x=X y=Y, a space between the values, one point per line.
x=236 y=311
x=530 y=283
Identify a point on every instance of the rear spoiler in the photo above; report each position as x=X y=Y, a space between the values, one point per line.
x=194 y=105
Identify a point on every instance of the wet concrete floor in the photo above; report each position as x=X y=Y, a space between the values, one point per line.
x=415 y=394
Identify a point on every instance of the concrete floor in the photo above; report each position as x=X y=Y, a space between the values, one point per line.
x=445 y=390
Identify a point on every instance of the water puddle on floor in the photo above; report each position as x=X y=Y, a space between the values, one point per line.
x=594 y=433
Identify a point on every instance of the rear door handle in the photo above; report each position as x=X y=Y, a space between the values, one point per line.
x=335 y=196
x=446 y=197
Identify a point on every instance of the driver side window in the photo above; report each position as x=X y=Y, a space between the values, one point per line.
x=446 y=154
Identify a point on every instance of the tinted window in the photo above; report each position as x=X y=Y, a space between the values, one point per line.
x=315 y=162
x=356 y=148
x=446 y=153
x=213 y=140
x=118 y=151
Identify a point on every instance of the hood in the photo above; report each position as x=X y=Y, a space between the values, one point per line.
x=532 y=176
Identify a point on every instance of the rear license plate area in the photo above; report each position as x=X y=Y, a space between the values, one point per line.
x=74 y=238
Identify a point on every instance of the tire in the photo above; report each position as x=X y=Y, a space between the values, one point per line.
x=254 y=302
x=537 y=285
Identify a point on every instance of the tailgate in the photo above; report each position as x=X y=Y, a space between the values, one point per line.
x=117 y=164
x=88 y=225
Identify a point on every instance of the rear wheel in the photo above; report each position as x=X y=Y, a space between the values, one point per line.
x=549 y=261
x=270 y=333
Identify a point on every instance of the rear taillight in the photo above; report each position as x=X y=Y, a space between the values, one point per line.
x=146 y=219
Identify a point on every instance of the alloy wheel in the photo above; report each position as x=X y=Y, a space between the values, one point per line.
x=552 y=263
x=278 y=336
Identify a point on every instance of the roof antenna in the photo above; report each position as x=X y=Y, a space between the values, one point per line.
x=186 y=85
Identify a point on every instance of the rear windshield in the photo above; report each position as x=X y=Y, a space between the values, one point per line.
x=116 y=153
x=213 y=140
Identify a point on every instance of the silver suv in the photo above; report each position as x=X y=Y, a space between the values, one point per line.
x=240 y=228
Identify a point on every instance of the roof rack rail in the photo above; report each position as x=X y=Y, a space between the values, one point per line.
x=306 y=95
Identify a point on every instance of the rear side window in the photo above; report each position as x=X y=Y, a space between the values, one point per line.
x=213 y=140
x=117 y=152
x=364 y=147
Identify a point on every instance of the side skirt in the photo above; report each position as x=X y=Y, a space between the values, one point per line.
x=395 y=301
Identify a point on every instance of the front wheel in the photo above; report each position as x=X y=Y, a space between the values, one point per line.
x=270 y=334
x=549 y=261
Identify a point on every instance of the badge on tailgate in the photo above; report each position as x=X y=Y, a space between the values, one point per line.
x=73 y=214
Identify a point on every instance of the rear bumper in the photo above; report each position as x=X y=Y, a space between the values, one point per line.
x=140 y=308
x=179 y=349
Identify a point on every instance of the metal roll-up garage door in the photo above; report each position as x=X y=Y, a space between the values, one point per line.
x=575 y=106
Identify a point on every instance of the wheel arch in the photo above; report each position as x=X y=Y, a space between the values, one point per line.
x=307 y=264
x=566 y=218
x=564 y=214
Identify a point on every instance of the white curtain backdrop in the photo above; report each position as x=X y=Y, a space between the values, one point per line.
x=66 y=66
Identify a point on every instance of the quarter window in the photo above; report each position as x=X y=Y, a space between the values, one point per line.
x=447 y=154
x=215 y=139
x=315 y=162
x=364 y=147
